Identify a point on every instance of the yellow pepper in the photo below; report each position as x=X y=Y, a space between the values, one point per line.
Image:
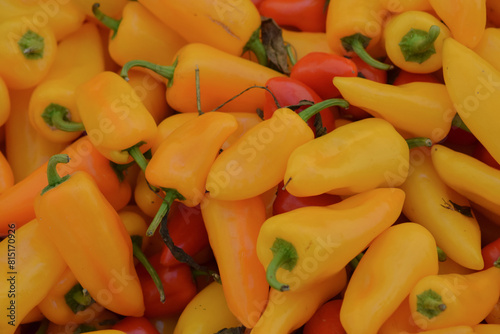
x=206 y=313
x=25 y=55
x=4 y=102
x=394 y=262
x=302 y=42
x=53 y=110
x=421 y=109
x=304 y=246
x=414 y=41
x=477 y=181
x=288 y=311
x=356 y=157
x=226 y=25
x=450 y=330
x=113 y=8
x=440 y=301
x=472 y=84
x=26 y=257
x=489 y=46
x=401 y=6
x=466 y=19
x=486 y=328
x=443 y=211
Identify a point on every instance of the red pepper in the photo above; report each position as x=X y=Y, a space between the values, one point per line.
x=317 y=70
x=370 y=73
x=481 y=153
x=404 y=77
x=289 y=92
x=187 y=230
x=303 y=15
x=285 y=201
x=491 y=253
x=135 y=325
x=178 y=285
x=326 y=320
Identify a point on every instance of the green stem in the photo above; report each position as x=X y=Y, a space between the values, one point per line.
x=309 y=112
x=418 y=45
x=31 y=45
x=430 y=304
x=291 y=54
x=54 y=179
x=137 y=155
x=358 y=43
x=255 y=45
x=284 y=256
x=497 y=263
x=165 y=71
x=139 y=255
x=108 y=21
x=44 y=325
x=354 y=262
x=198 y=92
x=418 y=142
x=170 y=196
x=78 y=299
x=441 y=254
x=458 y=123
x=56 y=115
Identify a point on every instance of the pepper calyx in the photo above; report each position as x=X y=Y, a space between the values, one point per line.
x=418 y=45
x=54 y=179
x=58 y=117
x=31 y=45
x=430 y=304
x=284 y=256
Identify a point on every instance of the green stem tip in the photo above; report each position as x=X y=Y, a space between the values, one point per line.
x=138 y=156
x=78 y=298
x=170 y=196
x=255 y=45
x=358 y=44
x=108 y=21
x=139 y=255
x=58 y=117
x=165 y=71
x=54 y=179
x=31 y=45
x=430 y=304
x=284 y=256
x=418 y=142
x=309 y=112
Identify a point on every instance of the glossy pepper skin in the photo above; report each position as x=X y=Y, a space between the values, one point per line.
x=466 y=19
x=428 y=110
x=489 y=46
x=472 y=86
x=63 y=18
x=4 y=102
x=356 y=157
x=233 y=228
x=317 y=70
x=135 y=325
x=400 y=321
x=288 y=311
x=79 y=57
x=285 y=13
x=207 y=312
x=139 y=34
x=109 y=108
x=414 y=41
x=401 y=6
x=303 y=42
x=177 y=282
x=439 y=301
x=429 y=202
x=16 y=203
x=326 y=319
x=6 y=174
x=468 y=176
x=491 y=253
x=96 y=246
x=218 y=83
x=332 y=235
x=26 y=55
x=113 y=8
x=394 y=262
x=34 y=259
x=224 y=25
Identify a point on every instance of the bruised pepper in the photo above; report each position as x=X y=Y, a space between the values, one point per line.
x=52 y=108
x=218 y=83
x=96 y=245
x=302 y=247
x=358 y=32
x=25 y=55
x=414 y=41
x=116 y=121
x=242 y=170
x=473 y=86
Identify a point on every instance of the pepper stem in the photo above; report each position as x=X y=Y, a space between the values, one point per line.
x=418 y=45
x=309 y=112
x=255 y=45
x=358 y=43
x=56 y=115
x=430 y=304
x=137 y=155
x=198 y=92
x=78 y=298
x=497 y=263
x=354 y=262
x=284 y=256
x=418 y=142
x=291 y=53
x=108 y=21
x=441 y=254
x=139 y=255
x=31 y=45
x=54 y=179
x=165 y=71
x=458 y=123
x=170 y=196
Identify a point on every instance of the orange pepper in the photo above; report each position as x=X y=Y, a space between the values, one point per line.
x=400 y=321
x=493 y=12
x=489 y=46
x=4 y=102
x=113 y=8
x=233 y=227
x=6 y=175
x=53 y=110
x=96 y=245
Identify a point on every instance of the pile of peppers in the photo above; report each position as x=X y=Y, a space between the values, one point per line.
x=249 y=166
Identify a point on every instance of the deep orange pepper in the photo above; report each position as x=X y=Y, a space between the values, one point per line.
x=304 y=15
x=4 y=102
x=233 y=227
x=16 y=203
x=96 y=245
x=6 y=175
